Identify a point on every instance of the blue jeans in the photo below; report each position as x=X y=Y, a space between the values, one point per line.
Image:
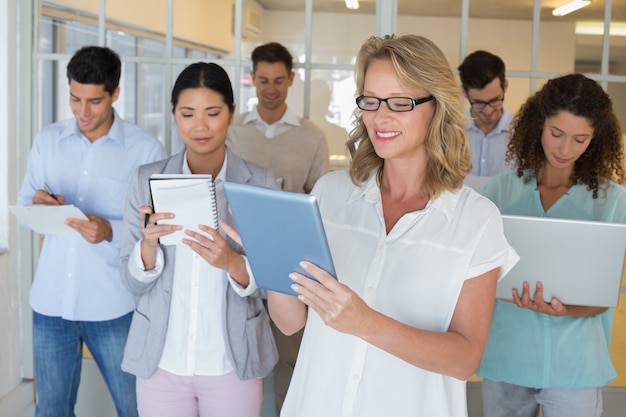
x=58 y=359
x=506 y=400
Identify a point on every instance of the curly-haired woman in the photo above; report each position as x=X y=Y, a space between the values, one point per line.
x=567 y=146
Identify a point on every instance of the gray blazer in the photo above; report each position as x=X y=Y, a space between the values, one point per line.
x=250 y=345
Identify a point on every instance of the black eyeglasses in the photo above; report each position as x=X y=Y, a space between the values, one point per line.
x=495 y=104
x=399 y=104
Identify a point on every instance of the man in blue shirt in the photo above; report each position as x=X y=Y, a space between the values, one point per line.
x=77 y=293
x=484 y=85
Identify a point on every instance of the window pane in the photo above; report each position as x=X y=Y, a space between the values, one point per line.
x=139 y=18
x=247 y=93
x=617 y=92
x=513 y=24
x=337 y=22
x=46 y=35
x=332 y=104
x=285 y=24
x=502 y=28
x=122 y=43
x=153 y=108
x=176 y=144
x=439 y=22
x=589 y=35
x=517 y=93
x=178 y=51
x=66 y=29
x=558 y=41
x=125 y=45
x=47 y=80
x=78 y=35
x=152 y=48
x=617 y=46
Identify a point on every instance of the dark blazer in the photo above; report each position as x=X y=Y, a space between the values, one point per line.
x=250 y=344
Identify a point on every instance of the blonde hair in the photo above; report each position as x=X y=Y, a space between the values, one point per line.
x=418 y=62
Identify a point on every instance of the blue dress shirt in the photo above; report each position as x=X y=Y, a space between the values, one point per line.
x=77 y=280
x=488 y=151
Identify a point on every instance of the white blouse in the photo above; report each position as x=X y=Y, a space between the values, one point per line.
x=195 y=343
x=414 y=275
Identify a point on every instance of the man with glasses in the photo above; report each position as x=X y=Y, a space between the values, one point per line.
x=484 y=85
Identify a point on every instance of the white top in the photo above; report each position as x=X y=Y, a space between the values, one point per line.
x=288 y=120
x=195 y=340
x=413 y=275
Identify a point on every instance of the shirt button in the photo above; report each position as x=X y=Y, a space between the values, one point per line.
x=85 y=173
x=80 y=199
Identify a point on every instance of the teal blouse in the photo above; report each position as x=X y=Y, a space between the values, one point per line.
x=537 y=350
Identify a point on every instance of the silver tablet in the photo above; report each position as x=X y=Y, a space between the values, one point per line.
x=278 y=229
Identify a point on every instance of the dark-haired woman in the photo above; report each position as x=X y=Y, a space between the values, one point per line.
x=567 y=145
x=200 y=340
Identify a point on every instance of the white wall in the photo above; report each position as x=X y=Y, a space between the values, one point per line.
x=9 y=309
x=16 y=393
x=4 y=77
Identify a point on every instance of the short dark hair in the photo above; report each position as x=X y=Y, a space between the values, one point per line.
x=480 y=68
x=272 y=52
x=208 y=75
x=95 y=65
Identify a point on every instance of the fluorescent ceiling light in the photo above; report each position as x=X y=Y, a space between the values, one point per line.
x=570 y=7
x=352 y=4
x=597 y=28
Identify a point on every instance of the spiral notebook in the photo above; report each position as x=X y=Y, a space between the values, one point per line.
x=190 y=197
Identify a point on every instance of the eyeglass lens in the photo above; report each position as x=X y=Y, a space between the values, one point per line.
x=397 y=104
x=494 y=104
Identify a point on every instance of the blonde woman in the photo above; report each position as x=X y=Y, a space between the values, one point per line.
x=417 y=254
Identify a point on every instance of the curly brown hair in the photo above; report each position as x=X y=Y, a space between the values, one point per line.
x=581 y=96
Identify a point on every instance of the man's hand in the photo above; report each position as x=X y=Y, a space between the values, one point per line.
x=94 y=230
x=43 y=197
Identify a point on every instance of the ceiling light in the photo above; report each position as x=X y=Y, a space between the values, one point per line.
x=352 y=4
x=597 y=28
x=570 y=7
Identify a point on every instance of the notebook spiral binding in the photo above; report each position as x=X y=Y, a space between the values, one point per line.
x=214 y=205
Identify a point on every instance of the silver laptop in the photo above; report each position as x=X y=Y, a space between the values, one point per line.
x=278 y=229
x=578 y=262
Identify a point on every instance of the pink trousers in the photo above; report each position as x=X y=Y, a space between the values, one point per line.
x=165 y=395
